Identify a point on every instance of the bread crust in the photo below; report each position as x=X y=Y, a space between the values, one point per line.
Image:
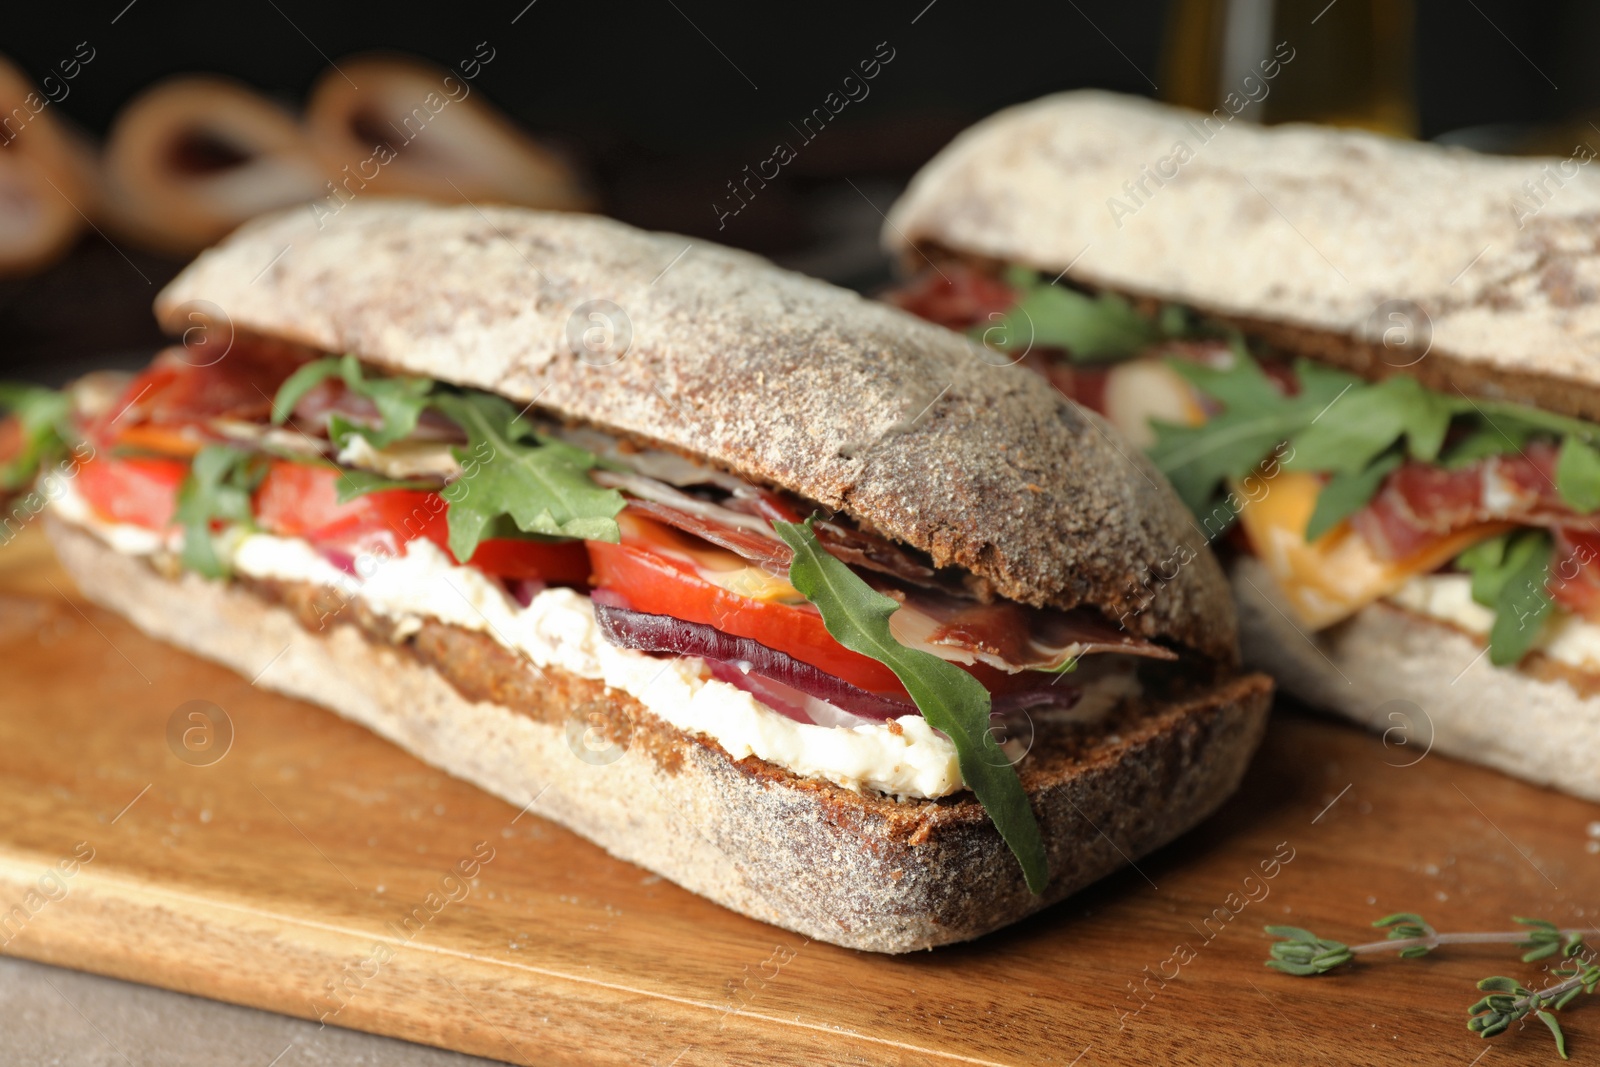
x=1296 y=232
x=786 y=380
x=1397 y=220
x=858 y=870
x=1537 y=721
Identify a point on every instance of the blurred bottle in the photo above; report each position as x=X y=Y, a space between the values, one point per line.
x=1351 y=65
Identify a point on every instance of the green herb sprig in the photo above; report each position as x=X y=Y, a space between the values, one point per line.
x=1302 y=953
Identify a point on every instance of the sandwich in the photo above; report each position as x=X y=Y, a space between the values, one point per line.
x=1367 y=365
x=646 y=538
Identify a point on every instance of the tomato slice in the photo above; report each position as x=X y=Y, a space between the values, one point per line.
x=302 y=500
x=562 y=562
x=658 y=585
x=137 y=490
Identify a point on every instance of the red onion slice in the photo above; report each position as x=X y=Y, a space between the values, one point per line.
x=786 y=701
x=663 y=633
x=745 y=663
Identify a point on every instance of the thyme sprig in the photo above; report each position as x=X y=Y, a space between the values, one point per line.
x=1301 y=953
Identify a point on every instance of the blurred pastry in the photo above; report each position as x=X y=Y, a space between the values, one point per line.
x=192 y=157
x=399 y=127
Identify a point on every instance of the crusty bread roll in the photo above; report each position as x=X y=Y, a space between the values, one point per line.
x=781 y=378
x=400 y=127
x=786 y=382
x=48 y=190
x=1298 y=234
x=862 y=871
x=194 y=156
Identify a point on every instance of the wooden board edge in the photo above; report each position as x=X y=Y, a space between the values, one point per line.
x=339 y=975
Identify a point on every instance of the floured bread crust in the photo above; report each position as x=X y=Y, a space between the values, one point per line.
x=1303 y=234
x=1428 y=687
x=859 y=870
x=788 y=381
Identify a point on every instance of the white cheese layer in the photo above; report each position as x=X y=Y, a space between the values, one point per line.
x=1566 y=638
x=558 y=629
x=907 y=759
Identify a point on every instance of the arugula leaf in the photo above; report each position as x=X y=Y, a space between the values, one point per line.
x=1255 y=420
x=1483 y=439
x=1578 y=474
x=544 y=486
x=1091 y=329
x=1345 y=494
x=217 y=487
x=1507 y=414
x=41 y=420
x=953 y=701
x=298 y=384
x=354 y=482
x=1340 y=425
x=1508 y=575
x=1358 y=427
x=399 y=400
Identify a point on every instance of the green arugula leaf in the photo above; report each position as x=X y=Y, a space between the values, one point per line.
x=354 y=482
x=1091 y=329
x=1578 y=474
x=1323 y=385
x=1508 y=575
x=399 y=400
x=42 y=425
x=1242 y=384
x=1346 y=494
x=298 y=384
x=1358 y=427
x=1512 y=417
x=1256 y=418
x=544 y=486
x=1485 y=562
x=217 y=488
x=953 y=701
x=1482 y=439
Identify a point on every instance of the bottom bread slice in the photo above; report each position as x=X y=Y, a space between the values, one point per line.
x=859 y=870
x=1428 y=686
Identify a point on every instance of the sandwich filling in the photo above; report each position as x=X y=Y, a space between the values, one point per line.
x=732 y=611
x=1476 y=512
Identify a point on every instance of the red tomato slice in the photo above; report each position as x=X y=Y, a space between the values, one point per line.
x=302 y=500
x=563 y=562
x=140 y=491
x=660 y=586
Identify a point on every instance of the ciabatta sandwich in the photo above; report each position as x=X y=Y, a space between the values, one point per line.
x=1372 y=365
x=679 y=550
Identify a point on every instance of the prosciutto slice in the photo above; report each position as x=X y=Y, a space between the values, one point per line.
x=1003 y=634
x=783 y=682
x=1421 y=502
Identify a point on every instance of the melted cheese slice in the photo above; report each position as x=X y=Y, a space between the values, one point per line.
x=1338 y=574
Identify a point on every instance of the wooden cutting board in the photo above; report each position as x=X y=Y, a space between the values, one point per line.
x=277 y=870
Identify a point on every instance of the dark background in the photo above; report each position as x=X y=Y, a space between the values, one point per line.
x=664 y=101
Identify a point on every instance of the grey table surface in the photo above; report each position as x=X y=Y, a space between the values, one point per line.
x=51 y=1017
